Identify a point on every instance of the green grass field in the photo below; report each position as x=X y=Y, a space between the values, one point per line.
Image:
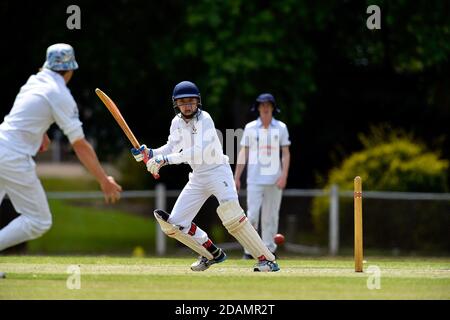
x=40 y=277
x=84 y=229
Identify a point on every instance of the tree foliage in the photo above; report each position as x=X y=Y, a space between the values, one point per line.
x=317 y=57
x=390 y=161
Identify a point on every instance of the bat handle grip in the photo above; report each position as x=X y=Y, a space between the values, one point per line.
x=146 y=158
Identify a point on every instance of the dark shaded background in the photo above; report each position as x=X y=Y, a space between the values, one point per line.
x=332 y=77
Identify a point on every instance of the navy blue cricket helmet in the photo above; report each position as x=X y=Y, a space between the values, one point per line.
x=186 y=89
x=265 y=97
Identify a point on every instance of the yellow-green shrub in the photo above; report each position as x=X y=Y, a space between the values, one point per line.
x=396 y=164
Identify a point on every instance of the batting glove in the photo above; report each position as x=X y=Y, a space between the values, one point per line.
x=154 y=164
x=141 y=153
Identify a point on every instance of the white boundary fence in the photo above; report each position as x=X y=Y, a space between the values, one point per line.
x=160 y=194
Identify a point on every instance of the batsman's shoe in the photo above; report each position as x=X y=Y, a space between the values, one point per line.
x=2 y=275
x=266 y=266
x=203 y=263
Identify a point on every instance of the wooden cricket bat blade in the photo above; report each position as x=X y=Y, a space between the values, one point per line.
x=107 y=101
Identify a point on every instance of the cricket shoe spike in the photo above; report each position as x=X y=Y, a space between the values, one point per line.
x=203 y=263
x=266 y=266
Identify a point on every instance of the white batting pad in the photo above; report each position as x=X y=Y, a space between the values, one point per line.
x=237 y=224
x=174 y=232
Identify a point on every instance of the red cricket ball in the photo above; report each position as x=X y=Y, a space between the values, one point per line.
x=279 y=239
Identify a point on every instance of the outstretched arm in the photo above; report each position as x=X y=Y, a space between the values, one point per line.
x=88 y=158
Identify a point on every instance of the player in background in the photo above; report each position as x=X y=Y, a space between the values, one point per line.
x=43 y=100
x=193 y=139
x=266 y=176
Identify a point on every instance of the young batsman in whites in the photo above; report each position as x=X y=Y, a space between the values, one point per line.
x=43 y=100
x=193 y=139
x=266 y=177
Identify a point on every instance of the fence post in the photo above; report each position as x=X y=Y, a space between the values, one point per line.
x=160 y=204
x=292 y=228
x=333 y=236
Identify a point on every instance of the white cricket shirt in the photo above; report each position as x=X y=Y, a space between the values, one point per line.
x=195 y=142
x=43 y=100
x=264 y=165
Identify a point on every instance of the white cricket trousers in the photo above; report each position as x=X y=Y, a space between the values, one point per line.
x=217 y=181
x=267 y=200
x=18 y=179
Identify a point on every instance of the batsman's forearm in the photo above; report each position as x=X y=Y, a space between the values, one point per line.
x=163 y=150
x=88 y=158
